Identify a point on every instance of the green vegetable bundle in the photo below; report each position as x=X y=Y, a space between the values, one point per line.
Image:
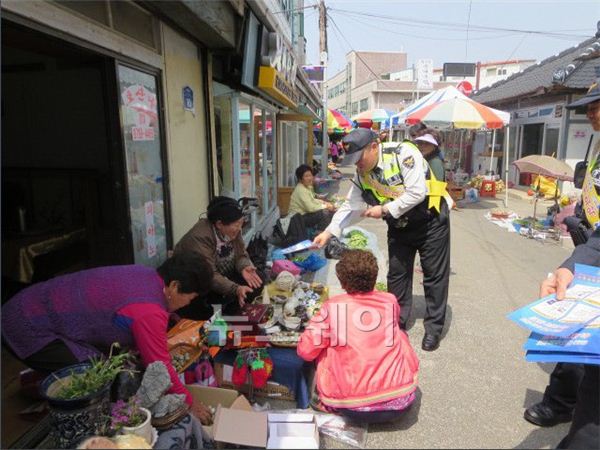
x=101 y=372
x=357 y=240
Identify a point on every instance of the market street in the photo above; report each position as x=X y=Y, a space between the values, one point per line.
x=475 y=387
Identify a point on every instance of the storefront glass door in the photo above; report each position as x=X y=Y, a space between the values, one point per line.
x=142 y=141
x=294 y=148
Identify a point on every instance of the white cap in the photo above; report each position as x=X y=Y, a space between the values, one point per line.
x=428 y=138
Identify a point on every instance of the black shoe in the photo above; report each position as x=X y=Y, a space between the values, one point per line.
x=542 y=415
x=430 y=342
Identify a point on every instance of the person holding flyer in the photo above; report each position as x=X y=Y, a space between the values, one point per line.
x=399 y=187
x=585 y=427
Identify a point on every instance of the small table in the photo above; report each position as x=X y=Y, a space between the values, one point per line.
x=288 y=369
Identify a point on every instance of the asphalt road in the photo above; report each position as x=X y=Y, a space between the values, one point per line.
x=475 y=387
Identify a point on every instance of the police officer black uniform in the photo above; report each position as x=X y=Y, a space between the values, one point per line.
x=399 y=187
x=573 y=391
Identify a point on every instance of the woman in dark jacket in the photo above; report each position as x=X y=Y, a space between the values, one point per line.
x=218 y=238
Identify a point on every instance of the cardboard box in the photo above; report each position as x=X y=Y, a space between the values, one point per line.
x=293 y=431
x=240 y=427
x=218 y=397
x=236 y=423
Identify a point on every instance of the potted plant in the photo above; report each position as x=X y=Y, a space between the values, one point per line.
x=79 y=398
x=130 y=418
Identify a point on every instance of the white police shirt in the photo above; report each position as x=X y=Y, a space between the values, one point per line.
x=413 y=168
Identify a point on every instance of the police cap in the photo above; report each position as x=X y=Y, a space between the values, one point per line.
x=593 y=95
x=356 y=141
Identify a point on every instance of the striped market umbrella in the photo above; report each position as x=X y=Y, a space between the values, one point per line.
x=459 y=113
x=337 y=122
x=375 y=115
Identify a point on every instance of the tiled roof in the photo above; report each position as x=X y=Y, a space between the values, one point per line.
x=539 y=77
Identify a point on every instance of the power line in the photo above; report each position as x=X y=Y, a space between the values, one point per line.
x=457 y=26
x=377 y=77
x=517 y=47
x=412 y=35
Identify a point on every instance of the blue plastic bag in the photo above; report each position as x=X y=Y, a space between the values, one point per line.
x=312 y=263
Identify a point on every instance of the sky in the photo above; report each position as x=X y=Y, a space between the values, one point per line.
x=441 y=31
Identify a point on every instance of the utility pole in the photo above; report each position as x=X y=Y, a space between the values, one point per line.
x=323 y=58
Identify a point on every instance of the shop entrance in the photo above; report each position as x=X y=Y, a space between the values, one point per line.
x=532 y=145
x=64 y=204
x=295 y=146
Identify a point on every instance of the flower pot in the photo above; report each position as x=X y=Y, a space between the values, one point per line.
x=143 y=430
x=74 y=419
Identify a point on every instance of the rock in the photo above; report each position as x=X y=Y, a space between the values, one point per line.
x=155 y=383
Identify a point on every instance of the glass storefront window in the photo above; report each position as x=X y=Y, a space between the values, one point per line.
x=303 y=141
x=246 y=188
x=269 y=170
x=224 y=145
x=259 y=150
x=141 y=135
x=293 y=142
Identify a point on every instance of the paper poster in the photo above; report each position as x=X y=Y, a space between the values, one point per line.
x=142 y=103
x=150 y=229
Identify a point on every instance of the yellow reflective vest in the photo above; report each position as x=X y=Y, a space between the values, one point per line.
x=392 y=184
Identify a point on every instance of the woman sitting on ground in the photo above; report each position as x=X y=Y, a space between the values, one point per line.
x=366 y=367
x=68 y=319
x=218 y=239
x=305 y=211
x=316 y=213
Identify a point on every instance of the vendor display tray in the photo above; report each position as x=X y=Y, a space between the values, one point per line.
x=191 y=353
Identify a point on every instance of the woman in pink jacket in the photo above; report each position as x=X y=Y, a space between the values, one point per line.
x=366 y=367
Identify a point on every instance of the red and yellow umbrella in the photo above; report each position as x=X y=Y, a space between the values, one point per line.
x=459 y=113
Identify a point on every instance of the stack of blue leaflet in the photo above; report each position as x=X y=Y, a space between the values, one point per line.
x=566 y=330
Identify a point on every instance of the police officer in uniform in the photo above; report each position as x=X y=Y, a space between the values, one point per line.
x=573 y=391
x=398 y=187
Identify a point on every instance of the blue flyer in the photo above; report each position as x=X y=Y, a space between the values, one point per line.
x=581 y=306
x=297 y=247
x=586 y=340
x=579 y=358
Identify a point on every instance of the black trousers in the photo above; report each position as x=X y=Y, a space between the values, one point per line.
x=298 y=229
x=432 y=240
x=53 y=356
x=585 y=427
x=561 y=392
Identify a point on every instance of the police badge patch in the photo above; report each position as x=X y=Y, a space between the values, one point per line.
x=408 y=162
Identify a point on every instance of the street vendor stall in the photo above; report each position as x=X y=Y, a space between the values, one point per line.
x=461 y=114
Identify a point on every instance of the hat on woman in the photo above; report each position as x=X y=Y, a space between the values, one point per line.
x=427 y=138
